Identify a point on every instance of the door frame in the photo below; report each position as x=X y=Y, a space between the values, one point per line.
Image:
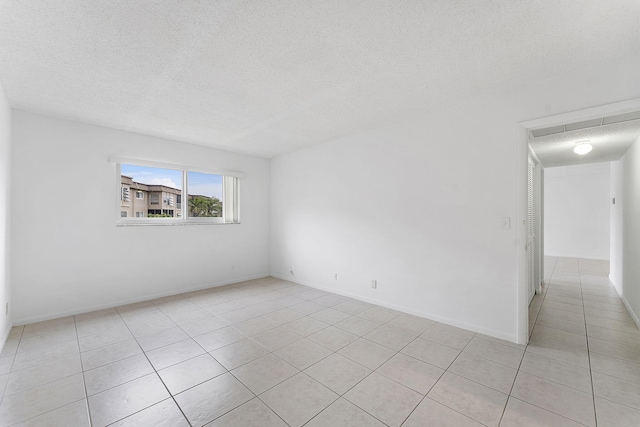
x=539 y=225
x=522 y=153
x=533 y=253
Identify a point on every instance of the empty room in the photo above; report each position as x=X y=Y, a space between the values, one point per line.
x=319 y=213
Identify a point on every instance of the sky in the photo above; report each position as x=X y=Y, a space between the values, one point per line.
x=199 y=183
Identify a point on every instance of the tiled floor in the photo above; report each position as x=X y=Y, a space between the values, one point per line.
x=271 y=353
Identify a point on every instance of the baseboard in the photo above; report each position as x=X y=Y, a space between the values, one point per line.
x=5 y=336
x=615 y=286
x=431 y=316
x=27 y=320
x=576 y=256
x=630 y=310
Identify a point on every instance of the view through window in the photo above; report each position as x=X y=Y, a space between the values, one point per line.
x=205 y=194
x=159 y=194
x=160 y=186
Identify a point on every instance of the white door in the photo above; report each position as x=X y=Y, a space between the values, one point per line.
x=531 y=227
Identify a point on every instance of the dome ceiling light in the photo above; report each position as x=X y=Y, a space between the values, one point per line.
x=582 y=148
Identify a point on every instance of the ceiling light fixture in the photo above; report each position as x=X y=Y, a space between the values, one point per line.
x=582 y=148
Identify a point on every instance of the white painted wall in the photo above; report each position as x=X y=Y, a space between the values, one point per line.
x=616 y=226
x=577 y=210
x=68 y=255
x=628 y=283
x=5 y=179
x=417 y=205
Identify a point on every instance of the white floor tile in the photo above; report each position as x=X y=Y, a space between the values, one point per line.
x=321 y=333
x=211 y=399
x=298 y=399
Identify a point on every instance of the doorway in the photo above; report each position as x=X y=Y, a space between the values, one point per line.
x=549 y=142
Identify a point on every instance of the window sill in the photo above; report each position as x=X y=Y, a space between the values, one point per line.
x=165 y=223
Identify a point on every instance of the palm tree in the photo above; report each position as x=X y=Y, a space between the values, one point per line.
x=203 y=206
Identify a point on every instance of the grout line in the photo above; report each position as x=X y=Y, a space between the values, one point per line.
x=15 y=354
x=84 y=383
x=385 y=323
x=340 y=396
x=588 y=354
x=426 y=395
x=273 y=352
x=572 y=421
x=29 y=389
x=524 y=353
x=156 y=372
x=274 y=412
x=593 y=392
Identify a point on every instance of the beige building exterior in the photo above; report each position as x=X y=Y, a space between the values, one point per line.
x=142 y=200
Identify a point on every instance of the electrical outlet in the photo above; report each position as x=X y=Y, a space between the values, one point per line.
x=374 y=284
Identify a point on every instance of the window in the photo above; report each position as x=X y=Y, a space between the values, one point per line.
x=167 y=199
x=123 y=214
x=205 y=195
x=208 y=197
x=157 y=181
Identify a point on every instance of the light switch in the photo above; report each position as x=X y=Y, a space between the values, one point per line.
x=505 y=222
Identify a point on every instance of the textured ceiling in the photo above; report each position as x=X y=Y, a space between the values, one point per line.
x=609 y=143
x=266 y=77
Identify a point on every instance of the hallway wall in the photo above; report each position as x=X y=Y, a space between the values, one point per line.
x=5 y=179
x=626 y=276
x=576 y=211
x=616 y=226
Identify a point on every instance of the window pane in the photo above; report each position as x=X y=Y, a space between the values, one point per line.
x=204 y=195
x=156 y=190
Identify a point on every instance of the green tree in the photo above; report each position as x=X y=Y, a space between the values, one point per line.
x=203 y=206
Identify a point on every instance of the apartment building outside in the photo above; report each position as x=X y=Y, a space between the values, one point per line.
x=139 y=200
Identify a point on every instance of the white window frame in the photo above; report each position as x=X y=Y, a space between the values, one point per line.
x=141 y=193
x=230 y=196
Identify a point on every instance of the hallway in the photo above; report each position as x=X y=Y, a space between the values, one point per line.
x=583 y=359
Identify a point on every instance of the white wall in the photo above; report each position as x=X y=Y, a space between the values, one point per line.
x=616 y=227
x=5 y=179
x=417 y=205
x=577 y=212
x=626 y=277
x=68 y=254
